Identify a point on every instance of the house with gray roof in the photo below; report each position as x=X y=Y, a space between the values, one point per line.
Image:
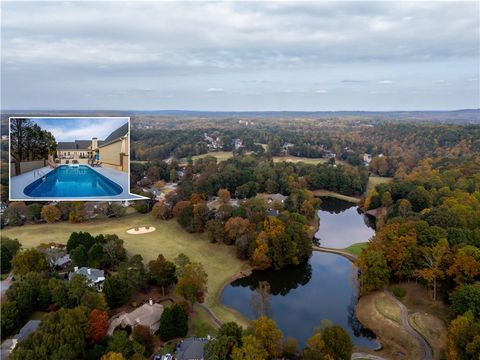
x=95 y=277
x=148 y=315
x=10 y=344
x=191 y=349
x=112 y=152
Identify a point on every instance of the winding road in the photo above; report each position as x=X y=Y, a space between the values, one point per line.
x=425 y=346
x=427 y=350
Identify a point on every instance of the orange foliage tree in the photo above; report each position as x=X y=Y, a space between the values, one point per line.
x=97 y=326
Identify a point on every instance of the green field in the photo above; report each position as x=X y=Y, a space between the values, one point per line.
x=375 y=180
x=356 y=249
x=220 y=155
x=169 y=239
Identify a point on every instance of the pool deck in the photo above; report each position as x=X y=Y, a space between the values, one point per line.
x=20 y=182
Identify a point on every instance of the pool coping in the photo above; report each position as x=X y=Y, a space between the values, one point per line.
x=20 y=182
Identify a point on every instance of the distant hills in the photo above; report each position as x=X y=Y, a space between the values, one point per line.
x=464 y=116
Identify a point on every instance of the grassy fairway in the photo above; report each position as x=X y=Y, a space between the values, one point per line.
x=375 y=180
x=169 y=239
x=220 y=155
x=296 y=159
x=356 y=249
x=432 y=329
x=388 y=308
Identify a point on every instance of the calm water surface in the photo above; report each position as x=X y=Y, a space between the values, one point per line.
x=299 y=298
x=72 y=181
x=342 y=224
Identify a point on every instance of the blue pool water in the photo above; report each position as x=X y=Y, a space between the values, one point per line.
x=71 y=182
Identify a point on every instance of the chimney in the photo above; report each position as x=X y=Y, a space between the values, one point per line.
x=89 y=271
x=94 y=143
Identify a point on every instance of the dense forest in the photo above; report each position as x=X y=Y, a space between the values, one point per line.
x=427 y=219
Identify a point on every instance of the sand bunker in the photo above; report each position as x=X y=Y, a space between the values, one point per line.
x=141 y=230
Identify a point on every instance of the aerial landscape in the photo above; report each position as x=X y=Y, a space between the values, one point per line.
x=240 y=180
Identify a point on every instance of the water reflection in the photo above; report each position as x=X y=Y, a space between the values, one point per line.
x=299 y=298
x=342 y=224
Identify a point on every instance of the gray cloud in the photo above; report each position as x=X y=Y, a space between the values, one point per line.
x=167 y=54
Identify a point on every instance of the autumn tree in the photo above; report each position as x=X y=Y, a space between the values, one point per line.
x=161 y=210
x=216 y=230
x=433 y=270
x=50 y=213
x=77 y=212
x=251 y=349
x=374 y=271
x=387 y=199
x=142 y=335
x=162 y=272
x=337 y=342
x=265 y=330
x=260 y=259
x=466 y=265
x=29 y=260
x=200 y=216
x=192 y=284
x=113 y=356
x=404 y=207
x=466 y=298
x=463 y=341
x=235 y=228
x=97 y=326
x=224 y=195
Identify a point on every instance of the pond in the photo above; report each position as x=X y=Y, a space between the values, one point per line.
x=342 y=224
x=299 y=298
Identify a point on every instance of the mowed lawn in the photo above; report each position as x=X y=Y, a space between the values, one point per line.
x=375 y=180
x=169 y=239
x=220 y=155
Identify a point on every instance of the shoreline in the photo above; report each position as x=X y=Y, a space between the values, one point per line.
x=325 y=193
x=239 y=317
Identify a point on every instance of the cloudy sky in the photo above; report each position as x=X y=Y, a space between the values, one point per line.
x=240 y=55
x=71 y=129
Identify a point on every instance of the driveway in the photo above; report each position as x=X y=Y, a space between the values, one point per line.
x=5 y=284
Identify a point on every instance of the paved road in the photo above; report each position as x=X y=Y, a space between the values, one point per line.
x=348 y=255
x=214 y=317
x=5 y=284
x=427 y=350
x=360 y=355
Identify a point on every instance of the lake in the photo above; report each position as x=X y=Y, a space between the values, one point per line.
x=342 y=224
x=299 y=298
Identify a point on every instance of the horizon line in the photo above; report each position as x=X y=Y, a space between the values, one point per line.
x=238 y=111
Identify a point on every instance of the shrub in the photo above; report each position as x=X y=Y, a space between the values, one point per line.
x=399 y=292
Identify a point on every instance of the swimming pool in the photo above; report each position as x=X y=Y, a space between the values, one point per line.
x=71 y=182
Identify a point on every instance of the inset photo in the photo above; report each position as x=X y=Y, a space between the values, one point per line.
x=71 y=158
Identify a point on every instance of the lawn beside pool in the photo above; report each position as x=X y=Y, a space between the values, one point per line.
x=169 y=239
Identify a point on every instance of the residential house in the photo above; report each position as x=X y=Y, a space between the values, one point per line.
x=57 y=256
x=148 y=315
x=367 y=158
x=10 y=344
x=112 y=152
x=95 y=277
x=237 y=144
x=191 y=349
